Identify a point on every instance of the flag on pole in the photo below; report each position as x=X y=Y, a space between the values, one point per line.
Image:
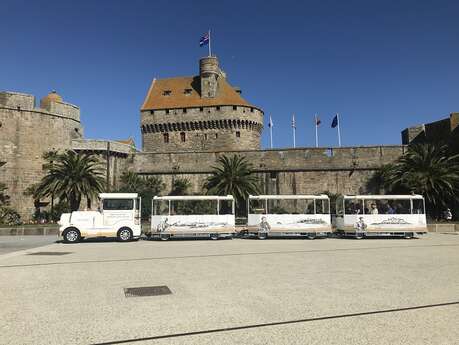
x=270 y=124
x=293 y=121
x=335 y=121
x=318 y=122
x=204 y=40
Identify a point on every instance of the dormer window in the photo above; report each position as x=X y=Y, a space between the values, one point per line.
x=187 y=91
x=167 y=92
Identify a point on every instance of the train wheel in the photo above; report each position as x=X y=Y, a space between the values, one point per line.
x=262 y=235
x=164 y=237
x=214 y=237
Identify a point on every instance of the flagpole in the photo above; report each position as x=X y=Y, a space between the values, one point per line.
x=271 y=135
x=210 y=51
x=294 y=131
x=339 y=130
x=317 y=134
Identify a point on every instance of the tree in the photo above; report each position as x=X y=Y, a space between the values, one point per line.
x=426 y=169
x=233 y=176
x=333 y=197
x=71 y=177
x=147 y=188
x=180 y=186
x=50 y=157
x=131 y=183
x=4 y=198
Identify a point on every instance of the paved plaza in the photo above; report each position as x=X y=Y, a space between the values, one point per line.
x=295 y=291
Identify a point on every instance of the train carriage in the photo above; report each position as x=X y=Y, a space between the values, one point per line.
x=380 y=215
x=206 y=216
x=288 y=215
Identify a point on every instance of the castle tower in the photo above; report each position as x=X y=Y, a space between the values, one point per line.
x=209 y=73
x=199 y=113
x=26 y=132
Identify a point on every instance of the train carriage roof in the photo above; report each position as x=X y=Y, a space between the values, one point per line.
x=384 y=197
x=287 y=197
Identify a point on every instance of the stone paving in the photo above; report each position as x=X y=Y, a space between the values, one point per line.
x=330 y=291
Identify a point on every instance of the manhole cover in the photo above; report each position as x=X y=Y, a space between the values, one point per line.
x=147 y=291
x=50 y=253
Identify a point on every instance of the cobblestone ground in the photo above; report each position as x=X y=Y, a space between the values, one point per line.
x=330 y=291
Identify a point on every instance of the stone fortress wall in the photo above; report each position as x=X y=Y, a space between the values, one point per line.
x=445 y=131
x=26 y=132
x=346 y=170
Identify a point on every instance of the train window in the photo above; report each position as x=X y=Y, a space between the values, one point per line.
x=322 y=206
x=257 y=206
x=418 y=206
x=226 y=207
x=118 y=204
x=193 y=207
x=353 y=206
x=161 y=207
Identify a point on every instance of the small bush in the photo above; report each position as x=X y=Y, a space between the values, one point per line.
x=8 y=216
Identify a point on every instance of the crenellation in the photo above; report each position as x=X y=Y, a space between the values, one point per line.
x=16 y=100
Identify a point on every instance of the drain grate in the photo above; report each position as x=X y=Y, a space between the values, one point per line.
x=147 y=291
x=50 y=253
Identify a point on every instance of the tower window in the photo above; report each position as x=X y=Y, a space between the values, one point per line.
x=166 y=137
x=216 y=135
x=167 y=92
x=201 y=109
x=205 y=136
x=152 y=112
x=218 y=107
x=234 y=107
x=251 y=110
x=182 y=137
x=167 y=111
x=184 y=110
x=238 y=134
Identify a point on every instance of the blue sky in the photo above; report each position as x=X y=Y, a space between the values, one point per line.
x=383 y=65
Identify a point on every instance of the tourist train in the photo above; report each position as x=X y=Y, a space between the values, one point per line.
x=210 y=216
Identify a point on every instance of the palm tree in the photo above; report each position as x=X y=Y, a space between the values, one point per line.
x=147 y=188
x=180 y=186
x=4 y=198
x=233 y=176
x=131 y=183
x=50 y=157
x=429 y=170
x=71 y=177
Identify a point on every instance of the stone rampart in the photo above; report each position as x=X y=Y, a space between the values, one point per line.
x=281 y=171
